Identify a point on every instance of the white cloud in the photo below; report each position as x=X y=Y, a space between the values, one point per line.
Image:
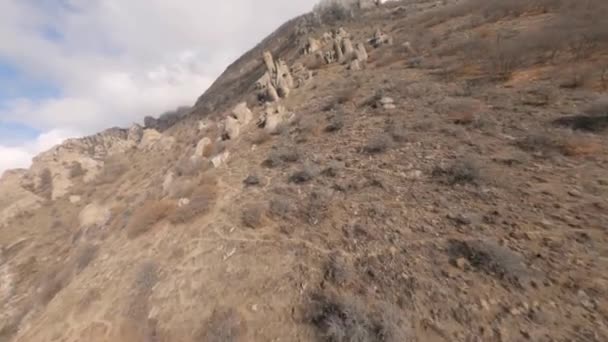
x=21 y=156
x=116 y=61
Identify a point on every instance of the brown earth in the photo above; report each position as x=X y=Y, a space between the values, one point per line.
x=476 y=210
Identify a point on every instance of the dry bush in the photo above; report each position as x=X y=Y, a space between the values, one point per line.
x=397 y=131
x=459 y=110
x=76 y=170
x=114 y=167
x=332 y=11
x=182 y=188
x=52 y=283
x=45 y=187
x=252 y=215
x=146 y=276
x=281 y=207
x=84 y=255
x=538 y=143
x=379 y=143
x=189 y=167
x=316 y=207
x=202 y=201
x=282 y=155
x=345 y=318
x=580 y=147
x=337 y=270
x=490 y=258
x=147 y=215
x=224 y=325
x=461 y=171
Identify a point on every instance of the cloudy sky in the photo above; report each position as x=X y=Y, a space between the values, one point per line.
x=73 y=67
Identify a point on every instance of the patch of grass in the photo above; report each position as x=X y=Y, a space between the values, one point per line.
x=345 y=318
x=84 y=255
x=76 y=170
x=114 y=167
x=224 y=325
x=147 y=215
x=462 y=171
x=379 y=143
x=201 y=203
x=490 y=258
x=252 y=215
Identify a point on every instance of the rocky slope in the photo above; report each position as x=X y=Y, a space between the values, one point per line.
x=416 y=171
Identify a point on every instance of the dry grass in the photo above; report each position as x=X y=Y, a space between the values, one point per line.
x=461 y=171
x=252 y=215
x=224 y=325
x=202 y=201
x=84 y=256
x=345 y=318
x=76 y=170
x=379 y=143
x=580 y=147
x=45 y=187
x=114 y=167
x=147 y=215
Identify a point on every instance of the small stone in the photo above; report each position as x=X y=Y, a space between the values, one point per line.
x=574 y=193
x=386 y=100
x=389 y=106
x=414 y=174
x=251 y=180
x=74 y=199
x=459 y=219
x=183 y=202
x=485 y=305
x=463 y=263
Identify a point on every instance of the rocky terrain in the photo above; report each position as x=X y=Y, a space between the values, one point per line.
x=410 y=171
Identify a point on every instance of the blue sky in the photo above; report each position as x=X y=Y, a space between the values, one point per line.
x=74 y=67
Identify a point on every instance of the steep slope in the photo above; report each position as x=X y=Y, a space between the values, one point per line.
x=449 y=185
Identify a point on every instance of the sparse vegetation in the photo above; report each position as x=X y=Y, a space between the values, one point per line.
x=84 y=255
x=114 y=167
x=491 y=258
x=345 y=318
x=45 y=185
x=379 y=143
x=253 y=215
x=147 y=215
x=224 y=325
x=76 y=170
x=462 y=171
x=202 y=201
x=332 y=11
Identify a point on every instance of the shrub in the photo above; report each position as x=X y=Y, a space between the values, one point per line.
x=252 y=215
x=147 y=215
x=45 y=187
x=53 y=282
x=224 y=325
x=332 y=11
x=76 y=170
x=462 y=171
x=84 y=255
x=344 y=318
x=378 y=144
x=114 y=167
x=202 y=201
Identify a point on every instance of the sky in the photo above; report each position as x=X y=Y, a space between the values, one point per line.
x=70 y=68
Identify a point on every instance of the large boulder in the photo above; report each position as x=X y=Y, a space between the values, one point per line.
x=232 y=128
x=242 y=113
x=201 y=147
x=152 y=139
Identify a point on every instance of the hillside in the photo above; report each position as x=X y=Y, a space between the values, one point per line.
x=413 y=171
